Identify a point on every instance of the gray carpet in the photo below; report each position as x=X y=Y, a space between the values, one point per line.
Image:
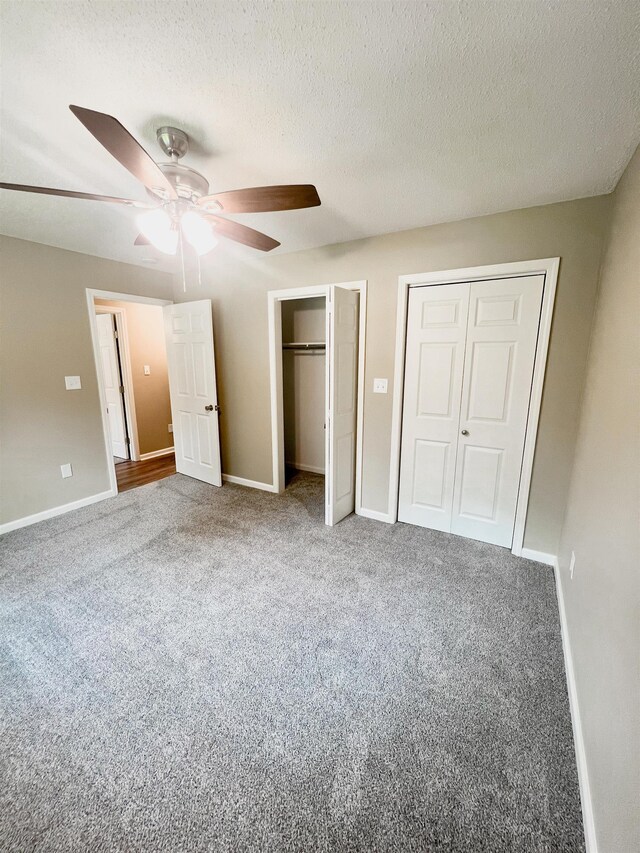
x=187 y=668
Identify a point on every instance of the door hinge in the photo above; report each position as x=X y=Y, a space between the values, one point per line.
x=121 y=389
x=115 y=334
x=127 y=441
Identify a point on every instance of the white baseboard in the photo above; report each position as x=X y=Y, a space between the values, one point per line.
x=375 y=515
x=252 y=484
x=56 y=510
x=312 y=469
x=578 y=739
x=154 y=454
x=538 y=556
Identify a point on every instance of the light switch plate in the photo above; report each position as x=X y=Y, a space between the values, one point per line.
x=170 y=427
x=66 y=470
x=380 y=386
x=72 y=383
x=147 y=370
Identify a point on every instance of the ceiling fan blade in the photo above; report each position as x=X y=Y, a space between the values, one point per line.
x=141 y=240
x=265 y=199
x=127 y=151
x=70 y=194
x=241 y=233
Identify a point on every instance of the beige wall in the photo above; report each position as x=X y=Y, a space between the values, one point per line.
x=45 y=337
x=304 y=381
x=602 y=527
x=145 y=332
x=237 y=280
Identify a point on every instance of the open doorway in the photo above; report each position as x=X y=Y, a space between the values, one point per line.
x=133 y=365
x=317 y=363
x=179 y=431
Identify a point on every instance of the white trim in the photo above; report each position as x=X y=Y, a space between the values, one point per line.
x=546 y=266
x=375 y=515
x=362 y=353
x=54 y=511
x=252 y=484
x=128 y=297
x=92 y=295
x=312 y=469
x=154 y=454
x=275 y=297
x=535 y=401
x=301 y=292
x=576 y=722
x=124 y=352
x=538 y=556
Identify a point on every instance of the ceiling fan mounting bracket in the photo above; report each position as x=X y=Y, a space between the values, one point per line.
x=173 y=141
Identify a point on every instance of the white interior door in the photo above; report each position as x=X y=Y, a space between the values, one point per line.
x=436 y=336
x=192 y=385
x=342 y=402
x=502 y=333
x=469 y=366
x=110 y=366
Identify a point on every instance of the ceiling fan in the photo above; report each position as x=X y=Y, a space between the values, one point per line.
x=181 y=203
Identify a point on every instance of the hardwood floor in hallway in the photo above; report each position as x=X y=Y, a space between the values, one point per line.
x=132 y=474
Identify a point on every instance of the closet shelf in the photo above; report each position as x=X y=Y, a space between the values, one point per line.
x=317 y=345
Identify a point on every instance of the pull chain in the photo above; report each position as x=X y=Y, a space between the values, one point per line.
x=184 y=276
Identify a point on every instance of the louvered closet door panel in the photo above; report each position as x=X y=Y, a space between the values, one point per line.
x=500 y=352
x=436 y=333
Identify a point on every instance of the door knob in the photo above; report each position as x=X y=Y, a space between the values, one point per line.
x=208 y=408
x=465 y=432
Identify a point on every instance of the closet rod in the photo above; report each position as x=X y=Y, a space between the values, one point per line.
x=315 y=345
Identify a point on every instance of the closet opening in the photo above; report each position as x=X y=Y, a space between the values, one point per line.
x=304 y=367
x=316 y=340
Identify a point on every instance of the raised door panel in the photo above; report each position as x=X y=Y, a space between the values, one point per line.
x=434 y=360
x=436 y=379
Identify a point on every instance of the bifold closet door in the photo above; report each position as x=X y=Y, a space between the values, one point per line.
x=469 y=366
x=502 y=333
x=342 y=402
x=436 y=336
x=192 y=384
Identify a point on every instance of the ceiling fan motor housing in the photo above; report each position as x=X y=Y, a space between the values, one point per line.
x=188 y=183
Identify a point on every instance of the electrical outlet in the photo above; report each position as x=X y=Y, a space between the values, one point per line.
x=66 y=470
x=72 y=383
x=379 y=386
x=170 y=427
x=147 y=370
x=572 y=564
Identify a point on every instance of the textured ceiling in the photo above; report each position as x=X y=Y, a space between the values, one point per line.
x=402 y=114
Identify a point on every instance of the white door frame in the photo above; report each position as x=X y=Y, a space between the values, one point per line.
x=120 y=319
x=549 y=268
x=275 y=300
x=92 y=295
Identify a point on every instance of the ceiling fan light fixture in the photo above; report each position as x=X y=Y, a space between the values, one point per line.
x=158 y=228
x=198 y=232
